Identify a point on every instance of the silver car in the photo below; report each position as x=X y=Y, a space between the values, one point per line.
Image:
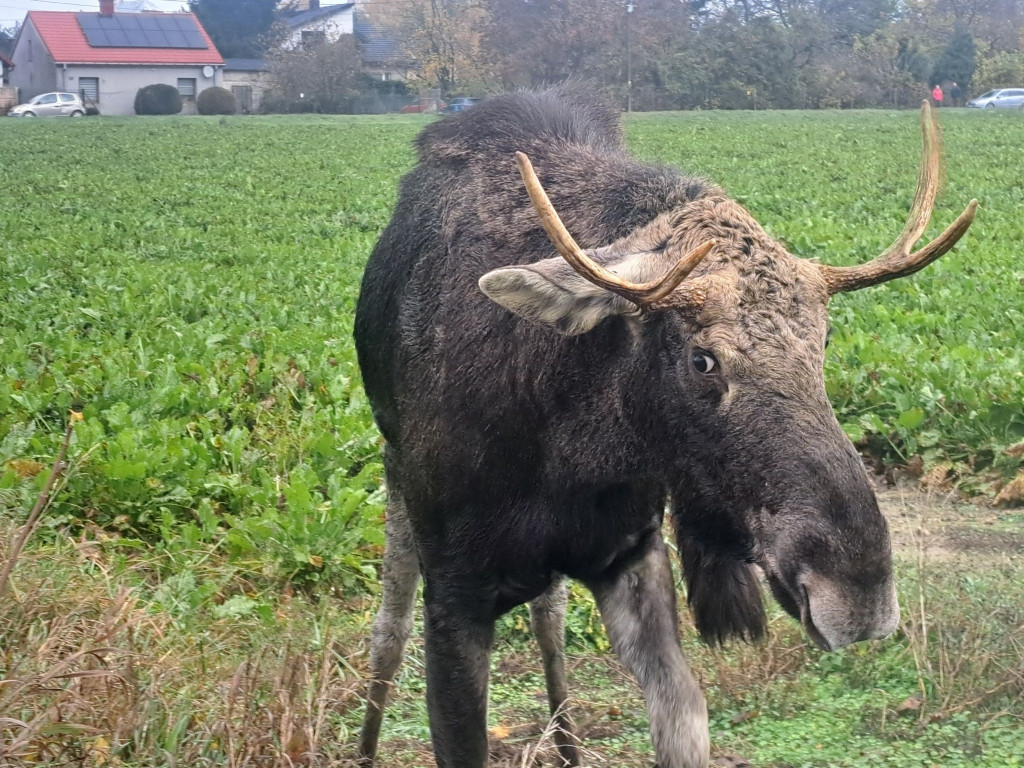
x=51 y=105
x=999 y=98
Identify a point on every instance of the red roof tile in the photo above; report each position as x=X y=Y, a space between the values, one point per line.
x=66 y=42
x=6 y=61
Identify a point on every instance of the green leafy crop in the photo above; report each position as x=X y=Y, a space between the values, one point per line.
x=189 y=287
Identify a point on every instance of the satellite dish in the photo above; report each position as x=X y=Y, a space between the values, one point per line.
x=207 y=71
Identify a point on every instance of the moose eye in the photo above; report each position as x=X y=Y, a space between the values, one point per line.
x=703 y=361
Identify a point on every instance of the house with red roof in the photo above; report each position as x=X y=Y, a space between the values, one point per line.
x=106 y=57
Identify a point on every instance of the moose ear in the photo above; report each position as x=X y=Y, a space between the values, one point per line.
x=551 y=293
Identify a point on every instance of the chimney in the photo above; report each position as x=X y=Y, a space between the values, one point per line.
x=106 y=7
x=314 y=5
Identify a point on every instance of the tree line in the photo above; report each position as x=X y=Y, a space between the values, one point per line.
x=688 y=54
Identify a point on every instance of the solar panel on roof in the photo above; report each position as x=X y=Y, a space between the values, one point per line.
x=118 y=38
x=141 y=31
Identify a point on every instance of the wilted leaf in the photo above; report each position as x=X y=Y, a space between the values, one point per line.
x=937 y=477
x=26 y=467
x=910 y=704
x=1016 y=451
x=915 y=467
x=1012 y=494
x=99 y=751
x=744 y=715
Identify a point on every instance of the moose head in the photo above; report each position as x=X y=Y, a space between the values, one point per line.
x=729 y=332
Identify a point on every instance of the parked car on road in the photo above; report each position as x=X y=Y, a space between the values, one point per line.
x=460 y=104
x=50 y=105
x=999 y=98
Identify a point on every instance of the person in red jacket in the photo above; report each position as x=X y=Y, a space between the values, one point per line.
x=937 y=95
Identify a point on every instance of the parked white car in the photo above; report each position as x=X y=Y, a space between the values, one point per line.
x=999 y=98
x=50 y=105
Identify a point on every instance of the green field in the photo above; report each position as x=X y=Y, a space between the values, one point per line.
x=188 y=286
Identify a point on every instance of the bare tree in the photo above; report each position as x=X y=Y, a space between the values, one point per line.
x=442 y=36
x=549 y=40
x=321 y=78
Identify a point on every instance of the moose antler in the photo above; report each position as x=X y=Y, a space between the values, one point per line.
x=898 y=260
x=644 y=295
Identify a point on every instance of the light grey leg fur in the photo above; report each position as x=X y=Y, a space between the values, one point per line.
x=639 y=610
x=399 y=577
x=547 y=620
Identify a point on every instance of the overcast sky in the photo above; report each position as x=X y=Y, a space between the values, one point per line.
x=12 y=11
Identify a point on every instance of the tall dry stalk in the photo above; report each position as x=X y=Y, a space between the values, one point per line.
x=965 y=646
x=41 y=505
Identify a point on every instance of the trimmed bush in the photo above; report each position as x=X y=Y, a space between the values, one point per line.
x=158 y=99
x=216 y=101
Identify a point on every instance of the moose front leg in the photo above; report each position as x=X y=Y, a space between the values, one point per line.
x=638 y=605
x=547 y=620
x=458 y=631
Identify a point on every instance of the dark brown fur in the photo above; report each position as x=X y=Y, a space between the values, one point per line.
x=544 y=441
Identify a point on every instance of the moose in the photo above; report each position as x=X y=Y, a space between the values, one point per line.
x=545 y=397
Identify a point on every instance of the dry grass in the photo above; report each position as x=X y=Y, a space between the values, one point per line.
x=964 y=625
x=88 y=676
x=538 y=750
x=95 y=670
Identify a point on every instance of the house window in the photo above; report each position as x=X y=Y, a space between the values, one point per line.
x=311 y=38
x=89 y=89
x=187 y=88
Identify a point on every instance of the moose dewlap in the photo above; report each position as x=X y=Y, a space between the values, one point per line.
x=560 y=343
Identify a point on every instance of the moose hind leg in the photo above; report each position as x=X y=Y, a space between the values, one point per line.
x=547 y=619
x=638 y=605
x=393 y=624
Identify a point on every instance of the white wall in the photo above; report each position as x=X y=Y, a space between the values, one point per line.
x=120 y=83
x=333 y=27
x=34 y=71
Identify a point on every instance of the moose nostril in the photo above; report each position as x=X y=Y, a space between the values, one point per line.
x=888 y=622
x=834 y=619
x=880 y=630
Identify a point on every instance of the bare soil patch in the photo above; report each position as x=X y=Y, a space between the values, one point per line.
x=943 y=527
